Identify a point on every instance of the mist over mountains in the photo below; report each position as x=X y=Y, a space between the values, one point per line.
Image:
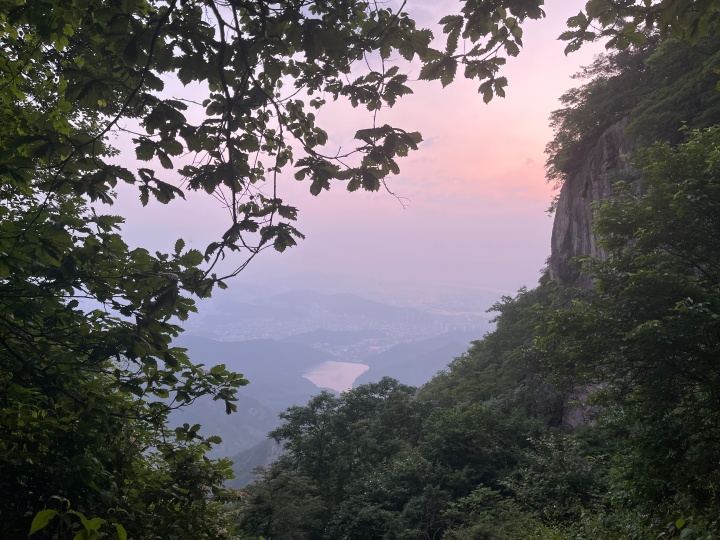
x=254 y=312
x=278 y=341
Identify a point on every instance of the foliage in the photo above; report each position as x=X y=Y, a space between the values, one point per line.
x=660 y=86
x=282 y=504
x=557 y=479
x=617 y=81
x=481 y=442
x=89 y=528
x=333 y=437
x=359 y=451
x=487 y=515
x=499 y=366
x=88 y=374
x=388 y=465
x=649 y=332
x=96 y=68
x=683 y=82
x=630 y=22
x=480 y=457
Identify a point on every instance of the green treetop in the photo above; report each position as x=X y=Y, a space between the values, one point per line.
x=88 y=374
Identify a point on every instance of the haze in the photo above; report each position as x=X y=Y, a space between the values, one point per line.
x=474 y=218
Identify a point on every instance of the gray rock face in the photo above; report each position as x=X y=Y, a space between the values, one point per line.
x=572 y=234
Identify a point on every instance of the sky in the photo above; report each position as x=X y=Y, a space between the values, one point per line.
x=475 y=213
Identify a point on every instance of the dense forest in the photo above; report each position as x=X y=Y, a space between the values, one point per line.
x=590 y=411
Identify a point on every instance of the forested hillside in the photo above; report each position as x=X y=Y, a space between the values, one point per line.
x=593 y=409
x=217 y=99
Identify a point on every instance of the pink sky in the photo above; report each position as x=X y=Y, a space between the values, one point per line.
x=476 y=216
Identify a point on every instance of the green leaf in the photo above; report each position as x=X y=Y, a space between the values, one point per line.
x=165 y=160
x=191 y=258
x=449 y=70
x=145 y=150
x=41 y=520
x=5 y=270
x=173 y=147
x=431 y=71
x=443 y=69
x=316 y=187
x=95 y=523
x=370 y=181
x=578 y=21
x=144 y=195
x=120 y=532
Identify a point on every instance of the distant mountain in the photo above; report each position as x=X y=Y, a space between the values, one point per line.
x=260 y=455
x=346 y=305
x=234 y=311
x=335 y=337
x=239 y=431
x=274 y=370
x=417 y=362
x=292 y=314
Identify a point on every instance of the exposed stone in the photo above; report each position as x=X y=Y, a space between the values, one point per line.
x=572 y=234
x=577 y=412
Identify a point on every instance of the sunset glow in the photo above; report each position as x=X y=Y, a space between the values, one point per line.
x=473 y=198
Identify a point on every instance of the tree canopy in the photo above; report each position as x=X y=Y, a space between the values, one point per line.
x=586 y=413
x=486 y=449
x=74 y=74
x=646 y=337
x=88 y=373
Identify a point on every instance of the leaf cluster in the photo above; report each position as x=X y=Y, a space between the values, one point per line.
x=646 y=338
x=459 y=459
x=629 y=23
x=88 y=373
x=658 y=86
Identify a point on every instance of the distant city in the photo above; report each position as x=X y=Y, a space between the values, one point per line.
x=376 y=325
x=293 y=344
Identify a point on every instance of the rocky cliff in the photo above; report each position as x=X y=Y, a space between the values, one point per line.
x=572 y=234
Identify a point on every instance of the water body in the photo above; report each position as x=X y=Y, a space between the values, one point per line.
x=335 y=375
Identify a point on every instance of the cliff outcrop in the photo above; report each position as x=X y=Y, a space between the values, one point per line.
x=572 y=234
